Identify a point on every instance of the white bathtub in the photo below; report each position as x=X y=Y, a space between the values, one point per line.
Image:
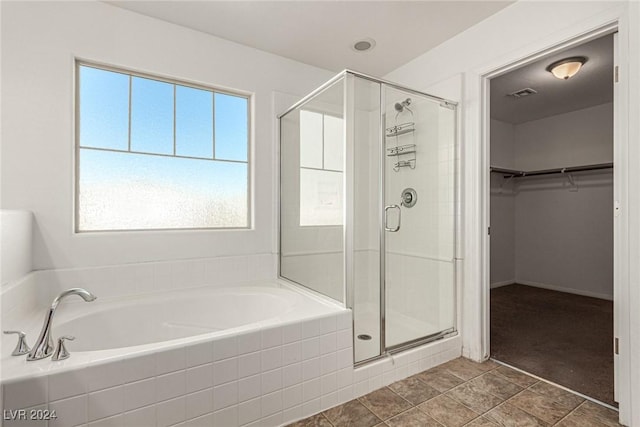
x=156 y=321
x=109 y=329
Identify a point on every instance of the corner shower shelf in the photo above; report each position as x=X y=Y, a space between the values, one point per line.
x=401 y=150
x=404 y=163
x=401 y=129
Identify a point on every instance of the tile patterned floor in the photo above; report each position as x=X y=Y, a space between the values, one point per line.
x=464 y=393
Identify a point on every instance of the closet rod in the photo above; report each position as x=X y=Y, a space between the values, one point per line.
x=519 y=174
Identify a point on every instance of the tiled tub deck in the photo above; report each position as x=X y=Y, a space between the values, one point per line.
x=463 y=393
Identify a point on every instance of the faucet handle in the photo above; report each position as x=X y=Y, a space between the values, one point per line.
x=21 y=346
x=61 y=353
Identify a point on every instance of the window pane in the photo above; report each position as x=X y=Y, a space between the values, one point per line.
x=104 y=109
x=333 y=143
x=231 y=127
x=320 y=197
x=151 y=116
x=194 y=122
x=310 y=139
x=120 y=191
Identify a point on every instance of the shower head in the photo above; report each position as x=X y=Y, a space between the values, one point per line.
x=400 y=106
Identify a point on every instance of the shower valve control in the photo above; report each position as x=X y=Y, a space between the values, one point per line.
x=409 y=197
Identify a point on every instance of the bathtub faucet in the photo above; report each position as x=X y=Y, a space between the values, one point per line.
x=44 y=346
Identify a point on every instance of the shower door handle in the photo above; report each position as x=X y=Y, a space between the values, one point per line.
x=386 y=216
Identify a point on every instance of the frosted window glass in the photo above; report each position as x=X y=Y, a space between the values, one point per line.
x=151 y=116
x=104 y=109
x=310 y=139
x=231 y=125
x=194 y=122
x=333 y=143
x=124 y=191
x=320 y=197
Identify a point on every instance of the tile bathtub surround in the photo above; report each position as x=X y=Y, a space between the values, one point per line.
x=482 y=395
x=148 y=277
x=29 y=297
x=39 y=288
x=257 y=378
x=19 y=299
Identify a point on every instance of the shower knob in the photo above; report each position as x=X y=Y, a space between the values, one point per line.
x=409 y=197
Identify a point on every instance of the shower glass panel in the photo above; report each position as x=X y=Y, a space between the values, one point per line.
x=367 y=208
x=312 y=193
x=365 y=134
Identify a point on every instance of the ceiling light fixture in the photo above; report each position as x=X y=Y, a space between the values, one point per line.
x=364 y=45
x=566 y=68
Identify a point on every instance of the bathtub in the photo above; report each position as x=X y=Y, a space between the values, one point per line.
x=244 y=355
x=208 y=354
x=178 y=318
x=116 y=328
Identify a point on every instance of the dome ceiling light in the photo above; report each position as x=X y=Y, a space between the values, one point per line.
x=567 y=68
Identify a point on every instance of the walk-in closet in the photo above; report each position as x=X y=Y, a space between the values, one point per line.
x=551 y=218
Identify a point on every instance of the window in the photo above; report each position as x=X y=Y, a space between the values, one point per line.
x=157 y=154
x=321 y=160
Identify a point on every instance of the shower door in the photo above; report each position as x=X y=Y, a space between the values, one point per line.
x=403 y=222
x=418 y=217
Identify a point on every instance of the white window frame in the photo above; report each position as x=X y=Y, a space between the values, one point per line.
x=131 y=73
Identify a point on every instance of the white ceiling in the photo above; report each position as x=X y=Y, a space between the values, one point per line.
x=321 y=33
x=593 y=85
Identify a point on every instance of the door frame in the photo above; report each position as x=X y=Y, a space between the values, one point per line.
x=476 y=339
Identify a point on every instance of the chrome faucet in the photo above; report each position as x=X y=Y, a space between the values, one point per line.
x=44 y=345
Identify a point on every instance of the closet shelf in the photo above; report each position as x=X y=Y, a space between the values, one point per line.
x=511 y=173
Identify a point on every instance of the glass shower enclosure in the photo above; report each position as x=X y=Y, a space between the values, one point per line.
x=368 y=208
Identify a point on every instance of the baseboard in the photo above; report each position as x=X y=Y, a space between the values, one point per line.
x=503 y=283
x=563 y=289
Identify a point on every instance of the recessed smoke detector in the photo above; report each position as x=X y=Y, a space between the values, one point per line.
x=363 y=45
x=527 y=91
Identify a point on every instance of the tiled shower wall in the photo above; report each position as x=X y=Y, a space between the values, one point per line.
x=267 y=377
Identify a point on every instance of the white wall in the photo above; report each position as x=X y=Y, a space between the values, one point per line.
x=544 y=231
x=564 y=238
x=502 y=144
x=564 y=234
x=576 y=138
x=39 y=43
x=502 y=206
x=16 y=228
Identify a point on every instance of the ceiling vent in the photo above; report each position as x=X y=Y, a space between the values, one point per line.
x=522 y=93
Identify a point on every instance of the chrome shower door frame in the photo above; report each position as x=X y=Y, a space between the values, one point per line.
x=349 y=189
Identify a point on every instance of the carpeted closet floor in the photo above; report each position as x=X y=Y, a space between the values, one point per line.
x=563 y=338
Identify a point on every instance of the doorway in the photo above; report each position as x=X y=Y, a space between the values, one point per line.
x=551 y=219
